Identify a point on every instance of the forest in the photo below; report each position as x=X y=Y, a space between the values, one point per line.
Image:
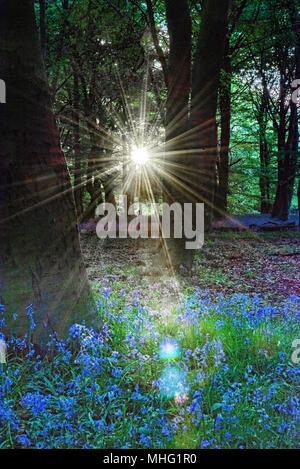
x=149 y=224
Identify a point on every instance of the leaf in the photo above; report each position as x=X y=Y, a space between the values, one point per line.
x=216 y=406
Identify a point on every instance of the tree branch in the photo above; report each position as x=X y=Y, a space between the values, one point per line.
x=158 y=49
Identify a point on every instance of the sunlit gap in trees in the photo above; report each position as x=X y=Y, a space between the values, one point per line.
x=141 y=150
x=139 y=155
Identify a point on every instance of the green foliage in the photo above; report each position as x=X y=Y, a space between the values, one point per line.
x=109 y=46
x=235 y=383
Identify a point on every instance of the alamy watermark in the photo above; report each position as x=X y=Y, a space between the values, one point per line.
x=2 y=92
x=295 y=358
x=166 y=221
x=296 y=93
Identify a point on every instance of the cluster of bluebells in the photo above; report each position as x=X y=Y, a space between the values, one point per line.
x=220 y=378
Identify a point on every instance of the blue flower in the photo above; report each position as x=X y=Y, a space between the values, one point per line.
x=219 y=421
x=30 y=314
x=23 y=440
x=106 y=292
x=36 y=402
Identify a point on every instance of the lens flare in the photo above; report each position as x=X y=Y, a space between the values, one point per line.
x=173 y=383
x=140 y=155
x=169 y=349
x=180 y=399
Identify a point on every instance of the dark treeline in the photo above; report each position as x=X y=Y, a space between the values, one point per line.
x=219 y=76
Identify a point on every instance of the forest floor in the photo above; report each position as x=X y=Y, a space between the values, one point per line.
x=264 y=264
x=171 y=365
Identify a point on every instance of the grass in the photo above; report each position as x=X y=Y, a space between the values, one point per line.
x=230 y=384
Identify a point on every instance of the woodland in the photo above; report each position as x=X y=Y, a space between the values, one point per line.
x=138 y=342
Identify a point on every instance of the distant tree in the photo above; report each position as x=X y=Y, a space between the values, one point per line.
x=189 y=173
x=287 y=161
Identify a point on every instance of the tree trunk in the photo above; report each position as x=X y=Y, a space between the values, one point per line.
x=94 y=169
x=178 y=76
x=225 y=114
x=288 y=159
x=264 y=184
x=281 y=134
x=175 y=173
x=298 y=194
x=78 y=189
x=40 y=258
x=206 y=76
x=43 y=35
x=264 y=156
x=287 y=170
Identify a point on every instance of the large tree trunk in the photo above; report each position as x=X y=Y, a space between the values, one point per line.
x=40 y=258
x=206 y=76
x=179 y=73
x=175 y=171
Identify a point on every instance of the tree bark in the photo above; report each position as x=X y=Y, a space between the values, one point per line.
x=40 y=258
x=298 y=194
x=287 y=168
x=222 y=189
x=264 y=156
x=94 y=169
x=175 y=171
x=78 y=189
x=288 y=157
x=43 y=34
x=205 y=85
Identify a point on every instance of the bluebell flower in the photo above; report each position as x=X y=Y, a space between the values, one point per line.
x=36 y=402
x=30 y=314
x=219 y=421
x=23 y=440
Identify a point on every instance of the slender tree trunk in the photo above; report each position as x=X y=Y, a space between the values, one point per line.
x=287 y=169
x=225 y=114
x=40 y=258
x=94 y=169
x=298 y=194
x=288 y=161
x=293 y=153
x=281 y=135
x=264 y=182
x=263 y=178
x=206 y=76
